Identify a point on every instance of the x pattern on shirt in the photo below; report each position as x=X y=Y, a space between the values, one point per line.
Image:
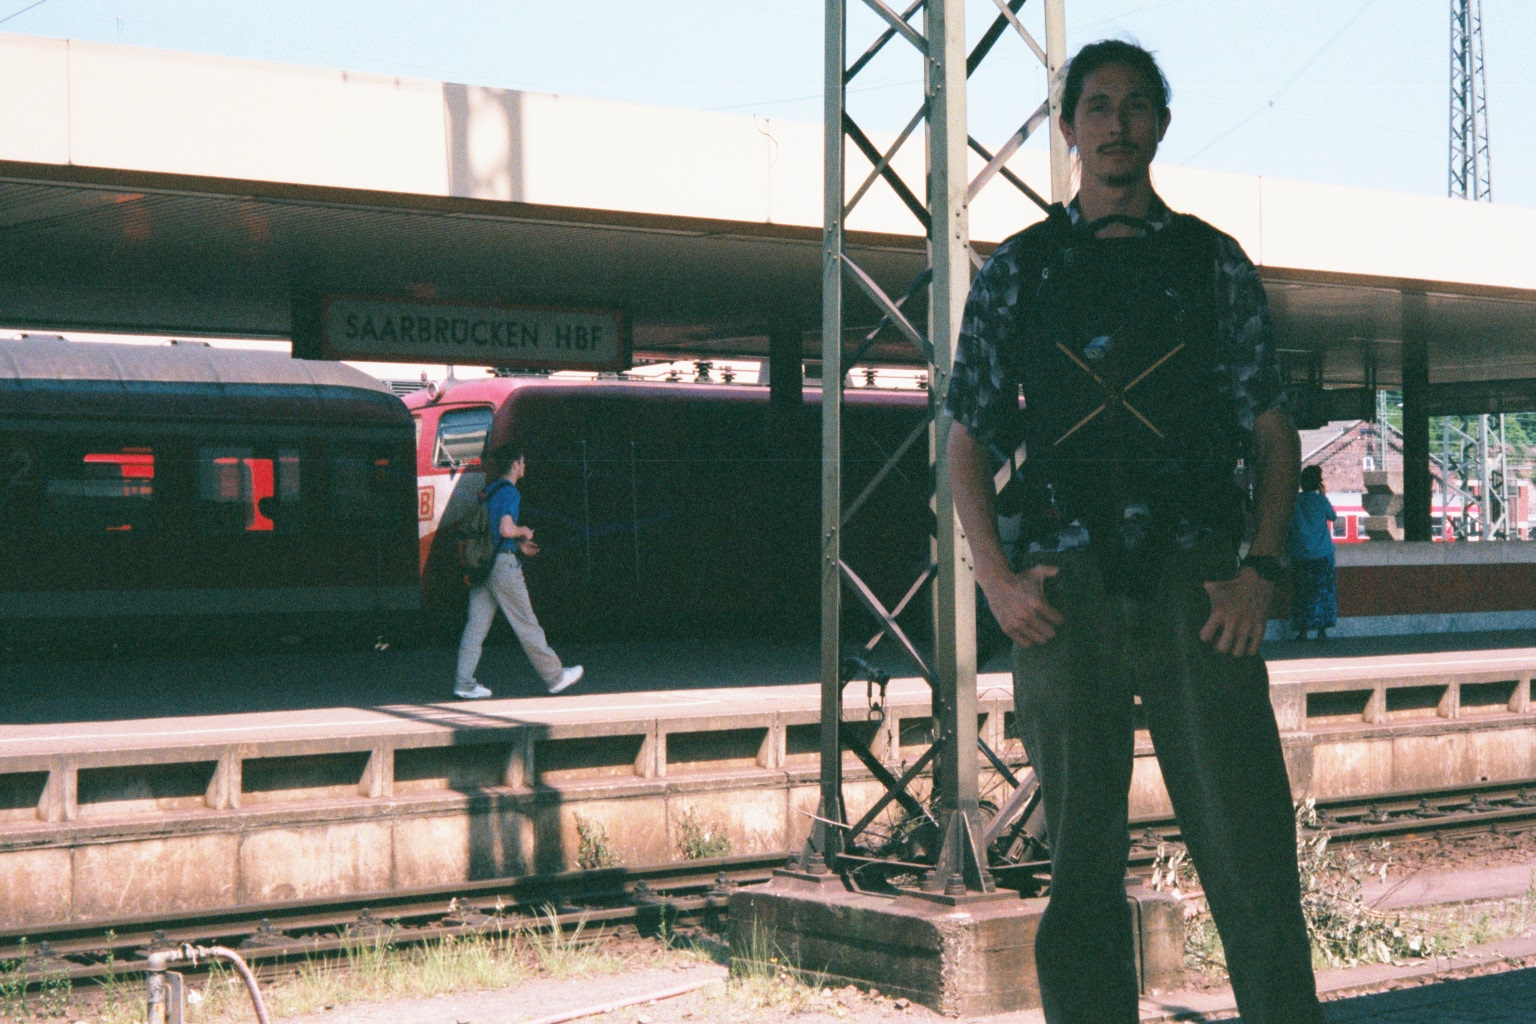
x=983 y=393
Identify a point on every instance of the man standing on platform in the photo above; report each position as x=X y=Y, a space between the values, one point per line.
x=1139 y=341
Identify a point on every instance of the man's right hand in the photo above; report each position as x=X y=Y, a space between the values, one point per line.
x=1019 y=605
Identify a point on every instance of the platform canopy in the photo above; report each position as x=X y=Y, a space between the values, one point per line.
x=146 y=191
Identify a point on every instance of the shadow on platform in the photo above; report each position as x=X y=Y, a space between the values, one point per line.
x=1490 y=999
x=288 y=679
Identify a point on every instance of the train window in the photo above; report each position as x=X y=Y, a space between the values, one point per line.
x=105 y=488
x=364 y=489
x=240 y=490
x=1341 y=526
x=461 y=437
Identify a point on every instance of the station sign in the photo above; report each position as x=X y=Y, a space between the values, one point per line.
x=417 y=331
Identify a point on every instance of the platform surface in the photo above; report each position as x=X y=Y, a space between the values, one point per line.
x=73 y=705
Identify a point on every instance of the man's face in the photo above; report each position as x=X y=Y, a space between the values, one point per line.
x=517 y=469
x=1117 y=126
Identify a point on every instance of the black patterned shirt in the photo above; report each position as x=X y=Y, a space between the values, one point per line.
x=984 y=394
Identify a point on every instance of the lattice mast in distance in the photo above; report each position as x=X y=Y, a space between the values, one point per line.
x=1473 y=474
x=1469 y=176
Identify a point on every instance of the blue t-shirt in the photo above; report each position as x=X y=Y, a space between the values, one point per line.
x=503 y=499
x=1311 y=532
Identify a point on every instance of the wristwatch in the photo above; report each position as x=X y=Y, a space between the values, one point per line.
x=1267 y=566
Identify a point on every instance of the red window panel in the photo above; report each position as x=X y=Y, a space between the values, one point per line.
x=245 y=492
x=108 y=490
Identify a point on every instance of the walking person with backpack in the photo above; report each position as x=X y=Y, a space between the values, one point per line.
x=491 y=540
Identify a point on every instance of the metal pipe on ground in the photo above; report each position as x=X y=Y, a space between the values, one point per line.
x=164 y=987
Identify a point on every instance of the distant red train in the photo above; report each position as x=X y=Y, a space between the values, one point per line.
x=672 y=509
x=184 y=485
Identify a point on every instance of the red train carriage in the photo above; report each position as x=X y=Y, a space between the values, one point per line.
x=152 y=484
x=682 y=510
x=672 y=509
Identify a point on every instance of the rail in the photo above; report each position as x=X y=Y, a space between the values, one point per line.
x=642 y=898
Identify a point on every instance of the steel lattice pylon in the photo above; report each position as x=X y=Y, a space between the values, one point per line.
x=936 y=29
x=1475 y=478
x=1470 y=176
x=1470 y=473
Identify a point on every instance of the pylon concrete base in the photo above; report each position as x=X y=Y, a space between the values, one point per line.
x=969 y=956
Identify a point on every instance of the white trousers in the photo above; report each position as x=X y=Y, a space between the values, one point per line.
x=505 y=587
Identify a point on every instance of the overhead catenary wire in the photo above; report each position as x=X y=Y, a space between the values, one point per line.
x=1288 y=84
x=24 y=10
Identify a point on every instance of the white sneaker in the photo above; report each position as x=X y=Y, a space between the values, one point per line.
x=568 y=677
x=474 y=692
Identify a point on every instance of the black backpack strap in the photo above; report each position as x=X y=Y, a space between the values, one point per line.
x=1194 y=240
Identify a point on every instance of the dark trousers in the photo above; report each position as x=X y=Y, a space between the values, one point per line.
x=1219 y=748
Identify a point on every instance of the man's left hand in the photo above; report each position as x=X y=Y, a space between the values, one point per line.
x=1239 y=613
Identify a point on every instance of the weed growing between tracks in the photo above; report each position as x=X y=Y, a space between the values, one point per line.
x=49 y=997
x=762 y=978
x=1472 y=924
x=372 y=970
x=1344 y=930
x=762 y=987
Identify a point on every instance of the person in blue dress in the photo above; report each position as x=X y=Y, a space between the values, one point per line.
x=1314 y=590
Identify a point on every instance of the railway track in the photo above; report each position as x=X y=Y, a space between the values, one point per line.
x=642 y=898
x=1440 y=812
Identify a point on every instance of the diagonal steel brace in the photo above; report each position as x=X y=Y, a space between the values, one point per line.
x=883 y=775
x=1018 y=26
x=880 y=168
x=878 y=296
x=1011 y=178
x=1021 y=804
x=900 y=24
x=998 y=763
x=885 y=470
x=1017 y=139
x=906 y=599
x=879 y=44
x=874 y=156
x=902 y=783
x=918 y=285
x=878 y=610
x=989 y=39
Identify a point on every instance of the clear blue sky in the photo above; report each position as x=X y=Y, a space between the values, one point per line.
x=1344 y=91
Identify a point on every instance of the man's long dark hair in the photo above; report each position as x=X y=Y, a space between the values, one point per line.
x=1110 y=51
